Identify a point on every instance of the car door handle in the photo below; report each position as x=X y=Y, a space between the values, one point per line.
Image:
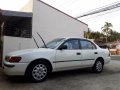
x=95 y=52
x=78 y=53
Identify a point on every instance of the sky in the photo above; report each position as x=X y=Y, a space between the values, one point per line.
x=95 y=22
x=76 y=8
x=14 y=5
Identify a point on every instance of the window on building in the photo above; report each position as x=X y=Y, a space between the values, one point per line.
x=18 y=27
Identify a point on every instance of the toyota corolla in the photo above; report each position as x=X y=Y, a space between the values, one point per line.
x=59 y=54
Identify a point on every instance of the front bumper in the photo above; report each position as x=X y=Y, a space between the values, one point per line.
x=14 y=68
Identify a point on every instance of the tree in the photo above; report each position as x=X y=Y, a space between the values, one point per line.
x=106 y=29
x=114 y=36
x=95 y=35
x=87 y=34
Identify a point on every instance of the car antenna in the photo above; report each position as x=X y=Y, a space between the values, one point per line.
x=42 y=40
x=35 y=41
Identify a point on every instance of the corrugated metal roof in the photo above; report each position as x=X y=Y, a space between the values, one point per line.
x=6 y=15
x=16 y=13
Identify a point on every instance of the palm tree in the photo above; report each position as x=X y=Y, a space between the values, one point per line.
x=106 y=29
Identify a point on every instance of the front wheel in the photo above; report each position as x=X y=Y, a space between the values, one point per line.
x=38 y=71
x=98 y=66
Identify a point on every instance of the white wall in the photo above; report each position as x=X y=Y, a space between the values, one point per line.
x=14 y=43
x=51 y=23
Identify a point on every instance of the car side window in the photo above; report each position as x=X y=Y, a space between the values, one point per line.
x=72 y=44
x=85 y=44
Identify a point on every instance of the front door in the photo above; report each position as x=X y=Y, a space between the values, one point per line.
x=70 y=57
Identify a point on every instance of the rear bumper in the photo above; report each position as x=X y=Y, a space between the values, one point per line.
x=14 y=68
x=107 y=60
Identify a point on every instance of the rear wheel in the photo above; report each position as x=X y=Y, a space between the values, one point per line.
x=38 y=71
x=98 y=66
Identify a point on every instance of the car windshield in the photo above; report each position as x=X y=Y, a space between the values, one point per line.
x=54 y=43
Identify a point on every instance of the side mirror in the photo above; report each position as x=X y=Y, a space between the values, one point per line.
x=63 y=47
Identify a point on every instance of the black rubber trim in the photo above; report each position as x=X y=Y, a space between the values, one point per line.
x=9 y=65
x=72 y=60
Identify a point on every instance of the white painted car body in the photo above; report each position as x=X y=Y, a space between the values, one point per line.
x=59 y=59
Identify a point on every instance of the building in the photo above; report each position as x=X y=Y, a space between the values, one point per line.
x=18 y=28
x=28 y=7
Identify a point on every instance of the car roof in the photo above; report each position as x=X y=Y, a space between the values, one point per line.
x=75 y=38
x=78 y=38
x=71 y=37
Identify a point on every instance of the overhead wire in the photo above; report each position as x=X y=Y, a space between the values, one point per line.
x=111 y=13
x=101 y=9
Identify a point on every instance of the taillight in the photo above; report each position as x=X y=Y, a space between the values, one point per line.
x=13 y=59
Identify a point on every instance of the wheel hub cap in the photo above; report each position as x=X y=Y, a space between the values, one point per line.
x=99 y=66
x=39 y=71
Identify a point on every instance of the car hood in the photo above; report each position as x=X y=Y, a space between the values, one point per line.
x=26 y=51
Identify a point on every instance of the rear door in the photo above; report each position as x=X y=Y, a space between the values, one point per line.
x=89 y=52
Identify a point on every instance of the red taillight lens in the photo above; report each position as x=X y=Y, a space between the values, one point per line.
x=13 y=59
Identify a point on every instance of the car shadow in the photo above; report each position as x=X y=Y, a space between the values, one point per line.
x=52 y=76
x=70 y=74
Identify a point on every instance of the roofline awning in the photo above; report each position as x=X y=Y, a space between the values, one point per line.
x=16 y=13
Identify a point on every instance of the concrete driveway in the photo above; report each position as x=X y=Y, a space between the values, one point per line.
x=109 y=79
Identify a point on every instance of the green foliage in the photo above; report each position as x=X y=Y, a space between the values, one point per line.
x=87 y=34
x=107 y=34
x=114 y=36
x=101 y=37
x=95 y=35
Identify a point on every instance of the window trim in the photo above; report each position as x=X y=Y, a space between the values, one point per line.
x=69 y=40
x=88 y=41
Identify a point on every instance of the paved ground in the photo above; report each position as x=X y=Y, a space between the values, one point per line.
x=70 y=80
x=115 y=57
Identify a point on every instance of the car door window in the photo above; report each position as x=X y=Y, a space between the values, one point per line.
x=72 y=44
x=87 y=44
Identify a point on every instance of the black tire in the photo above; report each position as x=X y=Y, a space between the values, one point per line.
x=98 y=66
x=37 y=71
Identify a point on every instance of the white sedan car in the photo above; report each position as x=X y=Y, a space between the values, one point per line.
x=60 y=54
